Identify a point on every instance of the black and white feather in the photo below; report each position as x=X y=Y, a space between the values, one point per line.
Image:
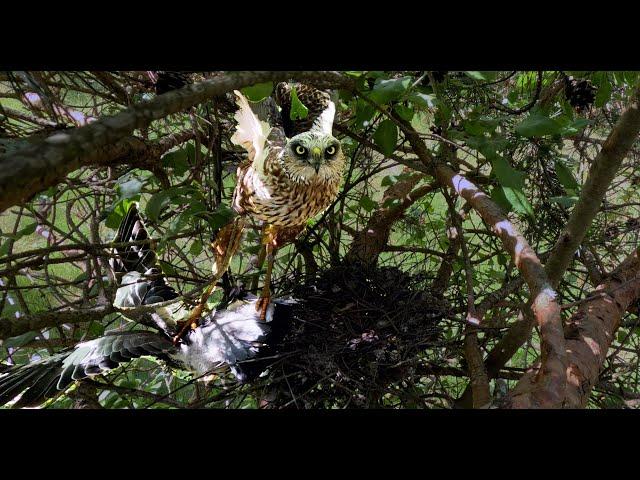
x=233 y=336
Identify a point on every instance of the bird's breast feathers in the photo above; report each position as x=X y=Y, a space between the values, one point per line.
x=275 y=198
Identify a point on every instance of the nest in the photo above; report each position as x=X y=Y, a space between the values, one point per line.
x=356 y=334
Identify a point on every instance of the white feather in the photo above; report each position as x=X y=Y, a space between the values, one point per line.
x=324 y=122
x=232 y=337
x=251 y=133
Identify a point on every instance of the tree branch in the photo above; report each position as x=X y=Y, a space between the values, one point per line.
x=549 y=388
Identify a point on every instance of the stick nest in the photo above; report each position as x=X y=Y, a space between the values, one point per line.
x=355 y=334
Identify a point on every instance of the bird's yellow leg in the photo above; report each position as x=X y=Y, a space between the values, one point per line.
x=260 y=262
x=224 y=247
x=269 y=241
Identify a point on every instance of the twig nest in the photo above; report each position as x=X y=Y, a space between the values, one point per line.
x=354 y=334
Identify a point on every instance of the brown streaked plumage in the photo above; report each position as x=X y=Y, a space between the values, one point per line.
x=292 y=173
x=275 y=184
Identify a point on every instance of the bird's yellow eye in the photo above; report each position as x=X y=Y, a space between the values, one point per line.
x=300 y=150
x=330 y=150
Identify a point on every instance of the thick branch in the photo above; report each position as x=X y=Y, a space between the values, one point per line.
x=600 y=176
x=591 y=330
x=372 y=239
x=551 y=382
x=37 y=321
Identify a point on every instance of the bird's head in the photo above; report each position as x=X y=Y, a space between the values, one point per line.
x=313 y=155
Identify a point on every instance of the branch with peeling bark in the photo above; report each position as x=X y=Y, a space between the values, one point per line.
x=590 y=331
x=601 y=174
x=549 y=387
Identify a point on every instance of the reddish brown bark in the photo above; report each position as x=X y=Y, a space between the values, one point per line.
x=372 y=239
x=591 y=330
x=548 y=387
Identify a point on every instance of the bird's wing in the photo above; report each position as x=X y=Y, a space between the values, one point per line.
x=142 y=282
x=45 y=378
x=251 y=132
x=132 y=258
x=321 y=109
x=238 y=337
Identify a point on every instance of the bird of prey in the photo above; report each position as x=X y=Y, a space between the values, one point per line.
x=235 y=336
x=292 y=172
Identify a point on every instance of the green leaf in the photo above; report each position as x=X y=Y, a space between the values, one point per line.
x=364 y=113
x=220 y=217
x=82 y=277
x=367 y=204
x=575 y=127
x=565 y=177
x=4 y=249
x=385 y=91
x=157 y=203
x=117 y=213
x=518 y=200
x=28 y=230
x=482 y=76
x=405 y=113
x=298 y=110
x=538 y=125
x=423 y=100
x=386 y=136
x=20 y=340
x=604 y=92
x=178 y=160
x=257 y=92
x=506 y=174
x=96 y=329
x=196 y=248
x=389 y=180
x=167 y=268
x=498 y=196
x=480 y=126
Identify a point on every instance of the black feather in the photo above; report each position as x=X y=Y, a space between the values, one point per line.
x=35 y=378
x=40 y=390
x=280 y=324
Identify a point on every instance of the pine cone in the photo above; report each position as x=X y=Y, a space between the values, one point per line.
x=580 y=93
x=168 y=81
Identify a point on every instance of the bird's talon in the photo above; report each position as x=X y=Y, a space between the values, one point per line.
x=261 y=305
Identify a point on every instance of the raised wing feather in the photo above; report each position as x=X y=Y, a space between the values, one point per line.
x=251 y=133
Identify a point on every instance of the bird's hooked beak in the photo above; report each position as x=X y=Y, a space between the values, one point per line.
x=316 y=158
